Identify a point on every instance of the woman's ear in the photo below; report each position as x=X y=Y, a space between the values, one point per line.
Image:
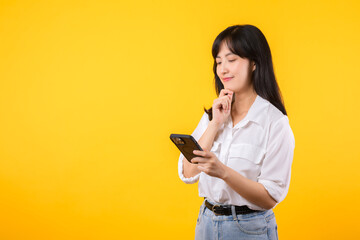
x=253 y=66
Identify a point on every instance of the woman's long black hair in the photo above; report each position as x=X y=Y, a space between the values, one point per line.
x=249 y=42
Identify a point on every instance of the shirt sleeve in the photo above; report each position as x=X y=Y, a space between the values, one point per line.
x=197 y=133
x=276 y=168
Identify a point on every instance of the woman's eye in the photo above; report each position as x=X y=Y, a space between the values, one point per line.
x=218 y=63
x=232 y=60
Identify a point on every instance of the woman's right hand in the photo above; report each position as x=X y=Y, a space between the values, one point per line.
x=221 y=107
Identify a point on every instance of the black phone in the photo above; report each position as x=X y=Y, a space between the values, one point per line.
x=186 y=144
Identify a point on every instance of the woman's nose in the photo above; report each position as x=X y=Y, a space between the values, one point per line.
x=223 y=68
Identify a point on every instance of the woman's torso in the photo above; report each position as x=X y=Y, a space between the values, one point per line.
x=241 y=147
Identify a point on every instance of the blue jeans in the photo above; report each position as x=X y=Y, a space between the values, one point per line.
x=255 y=226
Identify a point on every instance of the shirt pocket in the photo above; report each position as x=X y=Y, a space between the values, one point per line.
x=246 y=159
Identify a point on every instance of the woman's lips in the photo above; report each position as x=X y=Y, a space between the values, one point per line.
x=227 y=79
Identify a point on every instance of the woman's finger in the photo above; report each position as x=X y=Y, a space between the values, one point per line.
x=219 y=104
x=223 y=92
x=198 y=160
x=204 y=154
x=224 y=104
x=199 y=153
x=230 y=97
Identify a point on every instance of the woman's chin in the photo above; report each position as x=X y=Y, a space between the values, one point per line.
x=237 y=89
x=230 y=88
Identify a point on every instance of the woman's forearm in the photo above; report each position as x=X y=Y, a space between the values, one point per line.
x=250 y=190
x=205 y=142
x=207 y=139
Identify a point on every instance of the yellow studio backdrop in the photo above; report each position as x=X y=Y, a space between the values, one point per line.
x=91 y=90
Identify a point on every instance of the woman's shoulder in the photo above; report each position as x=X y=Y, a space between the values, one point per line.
x=274 y=115
x=279 y=122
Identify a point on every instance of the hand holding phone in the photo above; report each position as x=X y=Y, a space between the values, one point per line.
x=186 y=144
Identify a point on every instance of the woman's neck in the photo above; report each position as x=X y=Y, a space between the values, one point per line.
x=242 y=103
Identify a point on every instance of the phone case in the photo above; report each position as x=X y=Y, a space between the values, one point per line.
x=187 y=146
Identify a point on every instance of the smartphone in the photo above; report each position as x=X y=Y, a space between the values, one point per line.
x=186 y=144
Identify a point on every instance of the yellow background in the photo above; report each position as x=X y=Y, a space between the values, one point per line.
x=91 y=90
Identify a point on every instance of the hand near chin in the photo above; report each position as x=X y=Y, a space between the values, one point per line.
x=221 y=108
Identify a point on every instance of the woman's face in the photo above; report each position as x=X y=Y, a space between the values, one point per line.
x=233 y=71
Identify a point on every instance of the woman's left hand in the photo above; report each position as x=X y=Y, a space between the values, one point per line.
x=209 y=163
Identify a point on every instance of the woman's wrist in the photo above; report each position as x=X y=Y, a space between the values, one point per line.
x=214 y=124
x=225 y=173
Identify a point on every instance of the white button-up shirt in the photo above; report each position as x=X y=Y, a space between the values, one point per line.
x=260 y=147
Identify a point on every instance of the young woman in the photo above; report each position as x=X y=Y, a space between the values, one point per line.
x=244 y=170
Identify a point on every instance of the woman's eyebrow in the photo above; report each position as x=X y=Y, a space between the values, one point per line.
x=226 y=55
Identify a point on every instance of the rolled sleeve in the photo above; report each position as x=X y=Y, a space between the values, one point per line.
x=276 y=168
x=197 y=133
x=190 y=180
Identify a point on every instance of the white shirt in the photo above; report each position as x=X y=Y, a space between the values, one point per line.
x=260 y=147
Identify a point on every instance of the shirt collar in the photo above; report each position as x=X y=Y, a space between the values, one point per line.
x=256 y=114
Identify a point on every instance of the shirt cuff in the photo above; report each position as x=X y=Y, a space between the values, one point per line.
x=190 y=180
x=275 y=190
